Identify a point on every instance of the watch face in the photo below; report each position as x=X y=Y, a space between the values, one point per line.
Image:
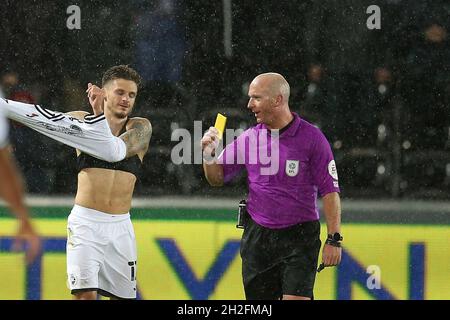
x=337 y=237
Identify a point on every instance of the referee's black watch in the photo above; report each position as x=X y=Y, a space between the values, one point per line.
x=335 y=237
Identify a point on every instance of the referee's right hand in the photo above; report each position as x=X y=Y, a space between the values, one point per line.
x=210 y=141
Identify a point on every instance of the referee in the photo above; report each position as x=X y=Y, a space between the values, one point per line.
x=281 y=240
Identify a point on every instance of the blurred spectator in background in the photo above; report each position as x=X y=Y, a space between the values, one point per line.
x=339 y=43
x=380 y=93
x=30 y=44
x=14 y=90
x=314 y=101
x=104 y=40
x=424 y=58
x=159 y=53
x=159 y=49
x=346 y=73
x=260 y=47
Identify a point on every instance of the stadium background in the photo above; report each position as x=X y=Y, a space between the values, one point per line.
x=380 y=96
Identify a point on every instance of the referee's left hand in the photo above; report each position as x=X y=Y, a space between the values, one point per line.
x=331 y=255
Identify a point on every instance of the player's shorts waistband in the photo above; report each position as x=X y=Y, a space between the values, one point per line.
x=97 y=216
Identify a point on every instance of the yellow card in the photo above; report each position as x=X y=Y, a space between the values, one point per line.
x=221 y=120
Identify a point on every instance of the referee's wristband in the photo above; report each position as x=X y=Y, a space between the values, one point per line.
x=333 y=243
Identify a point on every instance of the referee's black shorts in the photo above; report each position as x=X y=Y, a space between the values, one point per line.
x=279 y=261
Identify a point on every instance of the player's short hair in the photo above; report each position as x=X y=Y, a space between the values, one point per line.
x=121 y=72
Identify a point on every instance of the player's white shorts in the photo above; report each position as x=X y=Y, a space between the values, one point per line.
x=101 y=253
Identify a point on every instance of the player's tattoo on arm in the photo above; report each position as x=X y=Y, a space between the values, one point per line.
x=137 y=138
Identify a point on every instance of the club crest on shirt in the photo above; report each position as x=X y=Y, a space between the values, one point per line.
x=292 y=168
x=73 y=279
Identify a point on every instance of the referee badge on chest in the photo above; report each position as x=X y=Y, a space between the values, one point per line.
x=292 y=167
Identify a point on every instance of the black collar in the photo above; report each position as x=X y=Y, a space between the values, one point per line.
x=286 y=127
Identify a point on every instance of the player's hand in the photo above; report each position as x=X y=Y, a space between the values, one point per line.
x=331 y=255
x=210 y=142
x=96 y=97
x=27 y=238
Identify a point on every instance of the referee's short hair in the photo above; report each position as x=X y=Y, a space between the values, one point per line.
x=121 y=72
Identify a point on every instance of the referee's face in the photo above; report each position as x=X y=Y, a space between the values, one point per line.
x=120 y=97
x=261 y=102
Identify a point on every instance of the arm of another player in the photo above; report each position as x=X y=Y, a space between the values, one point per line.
x=11 y=190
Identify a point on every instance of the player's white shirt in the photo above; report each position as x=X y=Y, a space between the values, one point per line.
x=3 y=130
x=92 y=135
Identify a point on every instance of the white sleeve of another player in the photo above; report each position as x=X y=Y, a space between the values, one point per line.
x=92 y=136
x=3 y=130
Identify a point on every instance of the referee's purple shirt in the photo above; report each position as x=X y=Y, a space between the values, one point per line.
x=306 y=169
